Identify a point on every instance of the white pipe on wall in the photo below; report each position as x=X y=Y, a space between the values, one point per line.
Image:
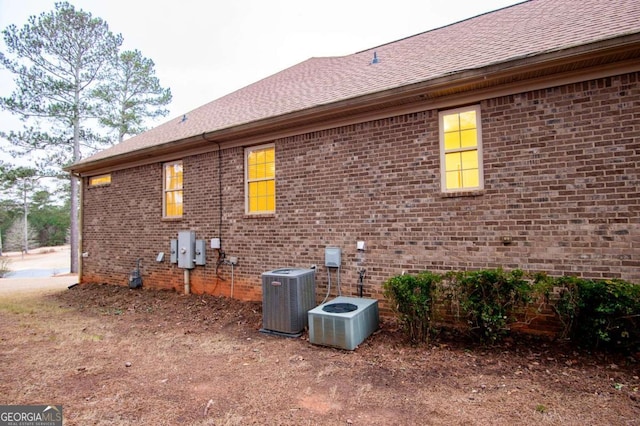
x=232 y=280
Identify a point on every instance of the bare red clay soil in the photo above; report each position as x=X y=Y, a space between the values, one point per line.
x=114 y=356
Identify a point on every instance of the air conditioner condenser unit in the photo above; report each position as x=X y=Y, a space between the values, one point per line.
x=344 y=322
x=287 y=296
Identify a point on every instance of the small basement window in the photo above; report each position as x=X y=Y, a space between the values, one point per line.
x=100 y=180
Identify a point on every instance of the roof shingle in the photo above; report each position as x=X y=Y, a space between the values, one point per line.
x=525 y=29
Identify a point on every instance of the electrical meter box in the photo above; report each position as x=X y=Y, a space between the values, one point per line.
x=201 y=252
x=174 y=251
x=332 y=256
x=186 y=249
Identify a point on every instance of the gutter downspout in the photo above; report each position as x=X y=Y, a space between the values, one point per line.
x=80 y=222
x=232 y=280
x=80 y=225
x=219 y=190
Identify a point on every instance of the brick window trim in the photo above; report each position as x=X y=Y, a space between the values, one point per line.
x=456 y=194
x=267 y=215
x=172 y=219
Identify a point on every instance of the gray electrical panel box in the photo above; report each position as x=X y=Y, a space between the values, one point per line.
x=173 y=258
x=332 y=257
x=201 y=252
x=186 y=249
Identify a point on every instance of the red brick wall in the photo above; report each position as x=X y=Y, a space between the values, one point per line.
x=561 y=181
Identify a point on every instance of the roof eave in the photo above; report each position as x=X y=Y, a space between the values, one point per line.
x=605 y=53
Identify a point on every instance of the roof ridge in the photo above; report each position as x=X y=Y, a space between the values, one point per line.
x=441 y=27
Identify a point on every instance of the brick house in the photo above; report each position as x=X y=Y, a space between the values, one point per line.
x=511 y=139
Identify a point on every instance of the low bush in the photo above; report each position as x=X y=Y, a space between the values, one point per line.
x=599 y=313
x=490 y=300
x=412 y=299
x=592 y=313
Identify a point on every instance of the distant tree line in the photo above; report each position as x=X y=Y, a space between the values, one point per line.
x=47 y=223
x=31 y=213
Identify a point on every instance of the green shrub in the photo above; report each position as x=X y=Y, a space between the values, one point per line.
x=490 y=300
x=608 y=314
x=566 y=300
x=596 y=313
x=593 y=313
x=412 y=298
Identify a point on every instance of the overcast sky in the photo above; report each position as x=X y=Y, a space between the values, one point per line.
x=206 y=49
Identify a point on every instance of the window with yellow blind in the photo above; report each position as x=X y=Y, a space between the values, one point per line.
x=260 y=179
x=461 y=149
x=172 y=202
x=100 y=180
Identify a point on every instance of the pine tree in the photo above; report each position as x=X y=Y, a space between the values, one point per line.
x=132 y=95
x=70 y=77
x=58 y=59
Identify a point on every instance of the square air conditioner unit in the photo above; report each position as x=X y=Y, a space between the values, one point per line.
x=287 y=295
x=344 y=322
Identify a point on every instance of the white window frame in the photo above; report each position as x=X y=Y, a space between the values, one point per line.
x=247 y=151
x=443 y=175
x=164 y=189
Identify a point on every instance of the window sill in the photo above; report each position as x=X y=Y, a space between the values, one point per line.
x=172 y=219
x=259 y=215
x=474 y=193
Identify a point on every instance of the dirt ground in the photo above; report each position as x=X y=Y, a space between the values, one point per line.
x=114 y=356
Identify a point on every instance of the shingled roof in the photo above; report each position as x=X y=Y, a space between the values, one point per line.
x=522 y=31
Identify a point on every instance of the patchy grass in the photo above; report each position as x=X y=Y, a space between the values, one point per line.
x=29 y=304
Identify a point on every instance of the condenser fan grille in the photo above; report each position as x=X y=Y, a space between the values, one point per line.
x=339 y=308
